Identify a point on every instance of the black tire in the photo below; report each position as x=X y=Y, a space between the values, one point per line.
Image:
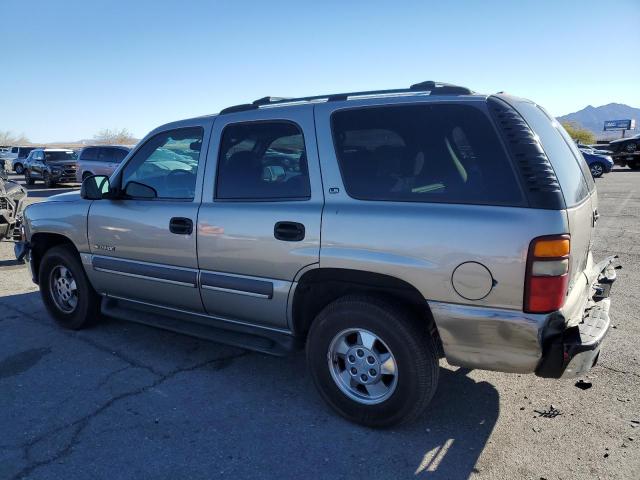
x=28 y=179
x=18 y=168
x=597 y=169
x=414 y=349
x=635 y=165
x=87 y=309
x=631 y=147
x=46 y=178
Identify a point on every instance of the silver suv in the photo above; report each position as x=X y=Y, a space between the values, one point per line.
x=383 y=230
x=100 y=160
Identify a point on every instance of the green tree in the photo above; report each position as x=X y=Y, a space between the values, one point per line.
x=581 y=135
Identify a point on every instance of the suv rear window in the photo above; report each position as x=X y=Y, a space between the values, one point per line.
x=423 y=153
x=558 y=148
x=89 y=155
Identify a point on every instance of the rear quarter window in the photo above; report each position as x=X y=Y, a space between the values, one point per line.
x=558 y=146
x=445 y=153
x=89 y=155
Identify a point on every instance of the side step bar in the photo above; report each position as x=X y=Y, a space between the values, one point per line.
x=201 y=326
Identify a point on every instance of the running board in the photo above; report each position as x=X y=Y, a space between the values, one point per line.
x=202 y=326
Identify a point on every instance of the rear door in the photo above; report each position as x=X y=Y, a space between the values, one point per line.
x=576 y=182
x=144 y=248
x=259 y=223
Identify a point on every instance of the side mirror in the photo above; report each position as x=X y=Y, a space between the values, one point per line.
x=273 y=173
x=95 y=187
x=140 y=190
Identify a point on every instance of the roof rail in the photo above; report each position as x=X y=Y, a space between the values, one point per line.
x=433 y=88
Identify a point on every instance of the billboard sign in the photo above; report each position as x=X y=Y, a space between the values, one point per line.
x=619 y=124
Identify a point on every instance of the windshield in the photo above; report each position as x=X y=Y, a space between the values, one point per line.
x=58 y=156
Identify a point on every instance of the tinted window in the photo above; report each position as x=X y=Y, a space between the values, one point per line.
x=118 y=154
x=89 y=154
x=24 y=152
x=168 y=162
x=112 y=155
x=59 y=156
x=14 y=150
x=566 y=166
x=265 y=160
x=423 y=153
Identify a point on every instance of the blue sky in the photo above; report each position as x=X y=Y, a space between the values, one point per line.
x=71 y=67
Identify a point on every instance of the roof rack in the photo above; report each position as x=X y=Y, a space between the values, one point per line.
x=431 y=87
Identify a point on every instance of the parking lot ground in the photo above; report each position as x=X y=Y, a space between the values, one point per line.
x=125 y=401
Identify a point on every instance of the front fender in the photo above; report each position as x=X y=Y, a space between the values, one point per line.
x=68 y=219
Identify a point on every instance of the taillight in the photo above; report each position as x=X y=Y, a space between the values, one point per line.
x=547 y=274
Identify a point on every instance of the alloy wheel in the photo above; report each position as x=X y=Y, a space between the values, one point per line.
x=64 y=290
x=362 y=366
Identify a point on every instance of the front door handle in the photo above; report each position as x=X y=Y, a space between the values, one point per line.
x=289 y=231
x=181 y=226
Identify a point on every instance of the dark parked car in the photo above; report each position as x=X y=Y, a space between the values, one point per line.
x=50 y=165
x=626 y=151
x=598 y=164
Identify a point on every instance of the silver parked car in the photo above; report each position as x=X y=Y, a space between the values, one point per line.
x=382 y=230
x=100 y=160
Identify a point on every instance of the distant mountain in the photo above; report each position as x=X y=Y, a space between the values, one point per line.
x=593 y=118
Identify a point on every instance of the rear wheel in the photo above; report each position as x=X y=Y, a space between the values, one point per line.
x=372 y=362
x=631 y=147
x=65 y=289
x=28 y=179
x=19 y=169
x=597 y=169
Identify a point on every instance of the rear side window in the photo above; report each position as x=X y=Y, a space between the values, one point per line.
x=566 y=165
x=423 y=153
x=118 y=154
x=262 y=161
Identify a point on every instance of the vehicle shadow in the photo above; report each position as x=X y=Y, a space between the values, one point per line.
x=257 y=407
x=622 y=170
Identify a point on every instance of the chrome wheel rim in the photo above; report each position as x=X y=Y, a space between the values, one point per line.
x=596 y=170
x=362 y=366
x=64 y=291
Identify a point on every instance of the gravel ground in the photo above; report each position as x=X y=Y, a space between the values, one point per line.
x=126 y=401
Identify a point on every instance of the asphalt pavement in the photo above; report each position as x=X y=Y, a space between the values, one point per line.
x=125 y=401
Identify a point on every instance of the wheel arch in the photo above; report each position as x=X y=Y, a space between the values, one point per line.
x=319 y=287
x=40 y=243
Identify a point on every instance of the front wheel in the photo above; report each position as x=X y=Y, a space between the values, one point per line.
x=28 y=179
x=372 y=362
x=65 y=289
x=48 y=182
x=597 y=169
x=19 y=169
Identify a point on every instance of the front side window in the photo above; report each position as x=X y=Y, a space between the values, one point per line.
x=423 y=153
x=168 y=163
x=262 y=161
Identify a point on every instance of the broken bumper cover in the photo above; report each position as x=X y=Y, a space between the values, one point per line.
x=575 y=350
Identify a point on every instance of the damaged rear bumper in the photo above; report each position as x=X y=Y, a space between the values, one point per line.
x=575 y=350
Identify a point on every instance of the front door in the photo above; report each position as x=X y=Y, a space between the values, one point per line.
x=144 y=247
x=259 y=223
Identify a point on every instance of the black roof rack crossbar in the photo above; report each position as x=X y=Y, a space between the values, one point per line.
x=435 y=88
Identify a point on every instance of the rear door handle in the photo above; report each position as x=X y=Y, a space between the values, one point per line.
x=289 y=231
x=181 y=226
